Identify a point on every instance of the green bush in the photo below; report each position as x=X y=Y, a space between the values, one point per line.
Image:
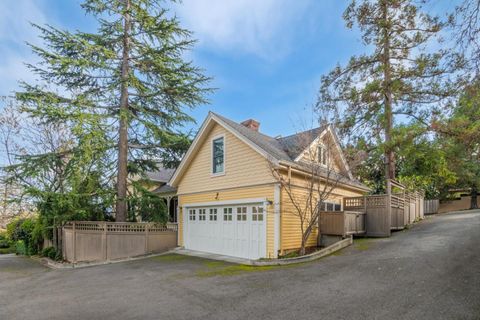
x=27 y=234
x=4 y=243
x=49 y=252
x=20 y=247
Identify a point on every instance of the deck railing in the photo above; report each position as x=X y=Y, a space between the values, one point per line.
x=387 y=212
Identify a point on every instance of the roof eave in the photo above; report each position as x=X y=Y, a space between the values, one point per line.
x=361 y=187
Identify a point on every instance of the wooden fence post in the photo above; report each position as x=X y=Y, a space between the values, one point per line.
x=74 y=244
x=146 y=237
x=104 y=239
x=365 y=203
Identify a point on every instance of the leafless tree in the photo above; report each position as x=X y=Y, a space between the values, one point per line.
x=310 y=181
x=20 y=136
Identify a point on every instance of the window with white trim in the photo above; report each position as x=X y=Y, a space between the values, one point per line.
x=218 y=155
x=227 y=214
x=322 y=155
x=257 y=213
x=191 y=214
x=330 y=206
x=241 y=213
x=213 y=214
x=202 y=214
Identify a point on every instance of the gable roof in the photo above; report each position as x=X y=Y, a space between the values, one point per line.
x=161 y=175
x=295 y=144
x=282 y=149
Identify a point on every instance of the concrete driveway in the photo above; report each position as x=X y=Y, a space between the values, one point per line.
x=431 y=271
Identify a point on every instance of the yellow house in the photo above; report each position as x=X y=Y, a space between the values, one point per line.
x=230 y=203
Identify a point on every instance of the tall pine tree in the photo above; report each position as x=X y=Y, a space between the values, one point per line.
x=401 y=76
x=461 y=141
x=130 y=80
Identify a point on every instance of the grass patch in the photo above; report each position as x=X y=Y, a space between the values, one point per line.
x=337 y=253
x=215 y=264
x=362 y=243
x=292 y=254
x=7 y=250
x=231 y=270
x=172 y=257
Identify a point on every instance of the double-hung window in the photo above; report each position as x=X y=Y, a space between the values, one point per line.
x=218 y=155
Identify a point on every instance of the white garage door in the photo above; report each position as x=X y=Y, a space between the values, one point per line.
x=237 y=230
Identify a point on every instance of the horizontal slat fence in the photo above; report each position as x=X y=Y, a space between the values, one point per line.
x=87 y=241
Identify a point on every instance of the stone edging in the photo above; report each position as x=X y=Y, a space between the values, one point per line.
x=309 y=257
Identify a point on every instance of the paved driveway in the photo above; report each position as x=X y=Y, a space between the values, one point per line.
x=431 y=271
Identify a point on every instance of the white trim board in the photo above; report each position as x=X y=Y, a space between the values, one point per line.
x=276 y=220
x=225 y=203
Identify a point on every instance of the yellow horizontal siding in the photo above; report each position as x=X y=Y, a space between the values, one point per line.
x=291 y=233
x=243 y=166
x=265 y=191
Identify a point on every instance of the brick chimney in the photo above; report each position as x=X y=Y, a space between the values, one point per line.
x=251 y=124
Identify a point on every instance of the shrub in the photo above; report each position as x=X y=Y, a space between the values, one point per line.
x=52 y=253
x=20 y=247
x=27 y=234
x=49 y=252
x=4 y=243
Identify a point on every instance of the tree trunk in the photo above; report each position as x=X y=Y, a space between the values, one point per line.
x=302 y=247
x=122 y=174
x=389 y=154
x=473 y=201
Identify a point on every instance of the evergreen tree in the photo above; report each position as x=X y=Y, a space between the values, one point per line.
x=128 y=83
x=461 y=141
x=400 y=77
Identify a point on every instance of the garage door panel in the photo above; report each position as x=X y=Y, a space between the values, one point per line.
x=238 y=230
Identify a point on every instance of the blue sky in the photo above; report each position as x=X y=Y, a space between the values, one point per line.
x=266 y=57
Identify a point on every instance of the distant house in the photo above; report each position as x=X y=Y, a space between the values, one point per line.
x=228 y=200
x=159 y=181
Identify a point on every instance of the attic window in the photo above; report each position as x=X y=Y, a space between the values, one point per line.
x=218 y=155
x=322 y=155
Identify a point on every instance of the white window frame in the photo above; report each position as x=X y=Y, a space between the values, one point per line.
x=202 y=214
x=325 y=203
x=213 y=214
x=216 y=174
x=321 y=147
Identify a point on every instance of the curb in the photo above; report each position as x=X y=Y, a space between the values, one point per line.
x=272 y=262
x=309 y=257
x=47 y=262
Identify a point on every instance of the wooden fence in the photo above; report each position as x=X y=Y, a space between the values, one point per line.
x=387 y=212
x=342 y=223
x=87 y=241
x=463 y=203
x=431 y=206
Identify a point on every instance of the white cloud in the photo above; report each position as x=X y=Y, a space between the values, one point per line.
x=15 y=30
x=260 y=27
